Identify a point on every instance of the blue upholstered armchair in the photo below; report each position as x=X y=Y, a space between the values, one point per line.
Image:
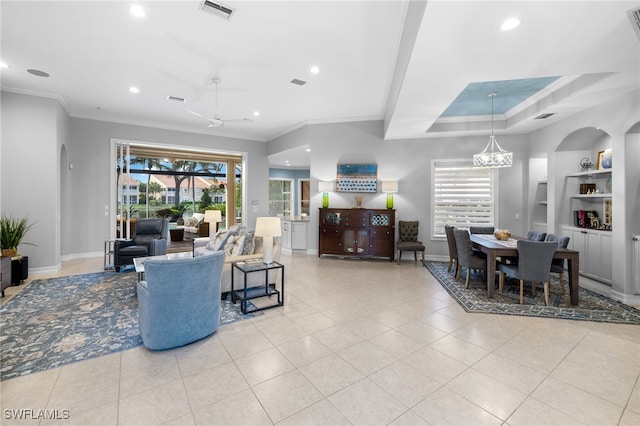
x=150 y=239
x=179 y=302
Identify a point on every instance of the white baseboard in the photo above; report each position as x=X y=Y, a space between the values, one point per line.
x=627 y=299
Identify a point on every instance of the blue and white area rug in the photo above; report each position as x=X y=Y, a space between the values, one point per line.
x=58 y=321
x=592 y=307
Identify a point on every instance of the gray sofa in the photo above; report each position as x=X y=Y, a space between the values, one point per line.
x=202 y=246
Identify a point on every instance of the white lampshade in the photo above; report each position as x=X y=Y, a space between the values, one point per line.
x=268 y=227
x=325 y=186
x=212 y=216
x=390 y=186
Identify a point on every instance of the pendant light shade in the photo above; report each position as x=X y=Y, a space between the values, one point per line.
x=493 y=155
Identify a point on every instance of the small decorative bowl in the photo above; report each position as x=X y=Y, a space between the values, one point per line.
x=502 y=234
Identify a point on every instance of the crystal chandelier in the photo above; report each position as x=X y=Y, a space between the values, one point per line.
x=493 y=155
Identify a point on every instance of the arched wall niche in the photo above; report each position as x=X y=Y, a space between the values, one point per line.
x=583 y=139
x=582 y=143
x=635 y=128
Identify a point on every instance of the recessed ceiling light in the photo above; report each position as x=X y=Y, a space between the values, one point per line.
x=256 y=113
x=314 y=70
x=4 y=65
x=510 y=24
x=137 y=11
x=134 y=89
x=308 y=150
x=38 y=73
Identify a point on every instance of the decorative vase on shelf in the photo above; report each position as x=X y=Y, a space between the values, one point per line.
x=358 y=200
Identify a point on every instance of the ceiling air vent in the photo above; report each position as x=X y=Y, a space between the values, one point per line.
x=217 y=9
x=175 y=98
x=545 y=115
x=298 y=82
x=634 y=17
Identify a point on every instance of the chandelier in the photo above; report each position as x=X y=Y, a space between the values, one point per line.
x=493 y=155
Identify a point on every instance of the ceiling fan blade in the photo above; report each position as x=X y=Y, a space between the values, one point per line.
x=239 y=120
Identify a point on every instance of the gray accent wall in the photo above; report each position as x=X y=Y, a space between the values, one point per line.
x=39 y=141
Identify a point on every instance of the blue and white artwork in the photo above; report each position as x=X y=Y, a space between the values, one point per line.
x=357 y=178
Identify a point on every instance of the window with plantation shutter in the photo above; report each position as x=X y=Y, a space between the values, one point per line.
x=462 y=196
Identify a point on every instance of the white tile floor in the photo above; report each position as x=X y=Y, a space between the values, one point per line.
x=357 y=342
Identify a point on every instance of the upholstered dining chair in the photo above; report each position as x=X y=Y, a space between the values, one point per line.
x=467 y=258
x=557 y=265
x=408 y=239
x=536 y=235
x=534 y=264
x=481 y=229
x=179 y=301
x=453 y=250
x=531 y=236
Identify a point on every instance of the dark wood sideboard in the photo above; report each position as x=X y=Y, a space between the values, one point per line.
x=357 y=233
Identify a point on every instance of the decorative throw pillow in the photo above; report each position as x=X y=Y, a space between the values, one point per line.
x=234 y=245
x=190 y=221
x=249 y=243
x=218 y=241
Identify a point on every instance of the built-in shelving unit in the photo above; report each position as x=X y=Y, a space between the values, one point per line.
x=594 y=245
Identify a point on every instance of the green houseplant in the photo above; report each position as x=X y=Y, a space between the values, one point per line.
x=12 y=232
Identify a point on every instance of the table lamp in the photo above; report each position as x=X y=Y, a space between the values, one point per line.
x=267 y=228
x=325 y=188
x=212 y=216
x=390 y=187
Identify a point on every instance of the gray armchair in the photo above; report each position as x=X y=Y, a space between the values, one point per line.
x=179 y=302
x=150 y=240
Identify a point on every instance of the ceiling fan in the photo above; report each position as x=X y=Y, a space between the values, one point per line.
x=217 y=121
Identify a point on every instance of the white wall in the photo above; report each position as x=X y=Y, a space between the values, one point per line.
x=90 y=151
x=38 y=137
x=407 y=161
x=31 y=127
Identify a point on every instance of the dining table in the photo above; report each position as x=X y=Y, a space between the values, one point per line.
x=495 y=248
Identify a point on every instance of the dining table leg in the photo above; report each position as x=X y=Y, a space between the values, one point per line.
x=574 y=275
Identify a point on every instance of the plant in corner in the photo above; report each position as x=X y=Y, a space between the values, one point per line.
x=12 y=232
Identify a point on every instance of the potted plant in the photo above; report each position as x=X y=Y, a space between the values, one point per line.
x=12 y=232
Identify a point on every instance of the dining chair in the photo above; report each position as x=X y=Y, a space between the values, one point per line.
x=408 y=239
x=557 y=265
x=531 y=236
x=467 y=258
x=453 y=250
x=481 y=229
x=536 y=236
x=534 y=264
